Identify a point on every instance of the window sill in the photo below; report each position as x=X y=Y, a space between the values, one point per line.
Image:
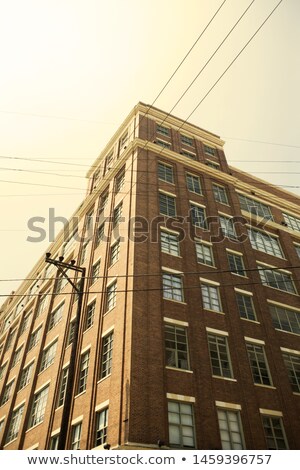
x=181 y=302
x=108 y=311
x=280 y=290
x=205 y=264
x=252 y=321
x=79 y=394
x=104 y=378
x=296 y=393
x=265 y=386
x=289 y=332
x=33 y=427
x=171 y=254
x=215 y=311
x=229 y=379
x=179 y=370
x=10 y=442
x=240 y=275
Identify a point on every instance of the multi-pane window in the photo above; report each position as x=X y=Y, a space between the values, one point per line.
x=213 y=165
x=236 y=264
x=101 y=427
x=163 y=143
x=187 y=140
x=120 y=180
x=2 y=369
x=124 y=139
x=193 y=183
x=7 y=392
x=167 y=205
x=89 y=222
x=227 y=226
x=172 y=286
x=117 y=215
x=14 y=424
x=60 y=284
x=258 y=364
x=2 y=424
x=83 y=373
x=211 y=297
x=62 y=386
x=165 y=172
x=245 y=306
x=17 y=356
x=114 y=252
x=176 y=347
x=76 y=435
x=190 y=155
x=255 y=207
x=204 y=254
x=106 y=356
x=55 y=316
x=25 y=323
x=169 y=243
x=10 y=340
x=297 y=248
x=111 y=296
x=292 y=221
x=95 y=272
x=90 y=313
x=103 y=201
x=220 y=194
x=181 y=425
x=292 y=364
x=198 y=216
x=108 y=161
x=274 y=433
x=264 y=242
x=54 y=442
x=26 y=375
x=285 y=319
x=277 y=279
x=48 y=356
x=99 y=234
x=38 y=407
x=84 y=252
x=231 y=432
x=219 y=355
x=71 y=333
x=209 y=150
x=34 y=338
x=162 y=130
x=41 y=304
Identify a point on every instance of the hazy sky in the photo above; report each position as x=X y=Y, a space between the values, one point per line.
x=71 y=70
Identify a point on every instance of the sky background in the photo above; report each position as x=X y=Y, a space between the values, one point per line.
x=71 y=71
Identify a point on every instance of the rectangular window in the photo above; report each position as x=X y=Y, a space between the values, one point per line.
x=230 y=430
x=89 y=222
x=2 y=370
x=198 y=216
x=107 y=350
x=227 y=226
x=162 y=130
x=255 y=207
x=25 y=323
x=2 y=424
x=76 y=435
x=14 y=424
x=187 y=140
x=181 y=425
x=101 y=427
x=111 y=296
x=34 y=338
x=285 y=319
x=211 y=297
x=209 y=150
x=71 y=333
x=213 y=165
x=219 y=356
x=95 y=272
x=54 y=442
x=167 y=205
x=61 y=283
x=264 y=242
x=114 y=253
x=274 y=433
x=236 y=264
x=7 y=392
x=55 y=316
x=292 y=221
x=103 y=202
x=108 y=162
x=169 y=243
x=277 y=279
x=163 y=143
x=17 y=356
x=193 y=183
x=258 y=364
x=26 y=376
x=172 y=287
x=99 y=234
x=41 y=304
x=297 y=248
x=117 y=215
x=83 y=374
x=190 y=155
x=90 y=313
x=220 y=194
x=292 y=364
x=165 y=172
x=120 y=181
x=176 y=347
x=204 y=254
x=62 y=386
x=84 y=252
x=124 y=139
x=48 y=356
x=245 y=306
x=38 y=407
x=10 y=340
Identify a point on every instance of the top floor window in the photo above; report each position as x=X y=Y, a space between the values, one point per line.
x=292 y=221
x=187 y=140
x=163 y=143
x=209 y=150
x=162 y=130
x=255 y=207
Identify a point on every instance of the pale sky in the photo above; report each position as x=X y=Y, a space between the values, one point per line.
x=71 y=71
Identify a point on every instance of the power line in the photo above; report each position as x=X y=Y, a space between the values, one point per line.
x=38 y=184
x=262 y=142
x=42 y=172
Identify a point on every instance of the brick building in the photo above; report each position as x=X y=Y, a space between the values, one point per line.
x=189 y=333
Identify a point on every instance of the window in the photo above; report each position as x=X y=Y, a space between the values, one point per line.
x=95 y=272
x=25 y=323
x=2 y=424
x=71 y=333
x=17 y=356
x=84 y=252
x=181 y=425
x=38 y=407
x=120 y=180
x=176 y=347
x=41 y=304
x=62 y=386
x=26 y=376
x=165 y=172
x=101 y=427
x=274 y=433
x=285 y=319
x=54 y=442
x=167 y=205
x=2 y=369
x=172 y=287
x=277 y=279
x=198 y=216
x=211 y=297
x=292 y=364
x=76 y=435
x=111 y=296
x=10 y=340
x=185 y=140
x=227 y=226
x=169 y=243
x=89 y=222
x=90 y=313
x=230 y=430
x=220 y=194
x=245 y=306
x=106 y=361
x=163 y=143
x=7 y=392
x=34 y=338
x=219 y=356
x=14 y=424
x=48 y=356
x=255 y=207
x=117 y=215
x=264 y=242
x=96 y=178
x=204 y=254
x=236 y=264
x=193 y=183
x=190 y=155
x=124 y=139
x=99 y=234
x=103 y=202
x=84 y=368
x=258 y=364
x=55 y=316
x=60 y=284
x=108 y=162
x=213 y=165
x=209 y=150
x=297 y=248
x=114 y=253
x=162 y=130
x=292 y=221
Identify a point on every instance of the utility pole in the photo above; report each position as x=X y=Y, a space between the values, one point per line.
x=69 y=393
